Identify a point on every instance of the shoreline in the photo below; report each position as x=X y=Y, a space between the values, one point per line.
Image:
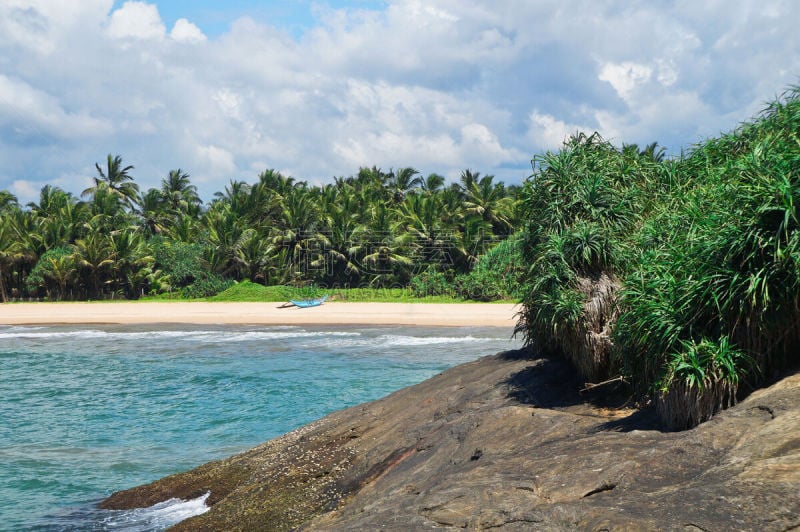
x=271 y=313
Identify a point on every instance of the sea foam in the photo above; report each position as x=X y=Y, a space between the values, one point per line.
x=156 y=517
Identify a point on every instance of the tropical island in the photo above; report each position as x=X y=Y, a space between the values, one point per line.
x=669 y=284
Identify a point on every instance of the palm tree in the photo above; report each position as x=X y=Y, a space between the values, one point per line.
x=297 y=230
x=402 y=181
x=652 y=151
x=384 y=256
x=276 y=182
x=488 y=200
x=131 y=256
x=235 y=195
x=117 y=179
x=64 y=226
x=57 y=265
x=59 y=218
x=184 y=229
x=422 y=224
x=8 y=202
x=372 y=180
x=256 y=258
x=152 y=210
x=26 y=244
x=51 y=199
x=9 y=253
x=178 y=192
x=226 y=233
x=467 y=179
x=470 y=242
x=94 y=254
x=432 y=184
x=344 y=233
x=262 y=206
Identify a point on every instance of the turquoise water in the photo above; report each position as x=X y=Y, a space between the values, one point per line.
x=88 y=411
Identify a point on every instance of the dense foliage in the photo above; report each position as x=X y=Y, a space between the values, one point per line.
x=681 y=275
x=376 y=229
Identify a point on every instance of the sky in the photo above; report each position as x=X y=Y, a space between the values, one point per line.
x=318 y=89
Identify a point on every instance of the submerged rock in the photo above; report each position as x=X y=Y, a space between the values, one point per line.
x=506 y=441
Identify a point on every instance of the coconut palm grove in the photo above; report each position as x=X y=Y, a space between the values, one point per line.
x=679 y=276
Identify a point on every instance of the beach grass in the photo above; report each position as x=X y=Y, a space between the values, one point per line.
x=252 y=292
x=248 y=292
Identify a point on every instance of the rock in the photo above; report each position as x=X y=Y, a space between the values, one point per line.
x=507 y=442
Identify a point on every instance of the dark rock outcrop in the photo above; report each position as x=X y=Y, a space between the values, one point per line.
x=508 y=442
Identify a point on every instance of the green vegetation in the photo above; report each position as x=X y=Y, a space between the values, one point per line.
x=375 y=230
x=681 y=275
x=246 y=291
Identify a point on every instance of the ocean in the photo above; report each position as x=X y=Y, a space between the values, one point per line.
x=86 y=411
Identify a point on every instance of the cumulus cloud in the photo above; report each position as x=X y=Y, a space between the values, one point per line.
x=441 y=85
x=625 y=77
x=34 y=115
x=25 y=189
x=549 y=133
x=138 y=20
x=216 y=161
x=185 y=31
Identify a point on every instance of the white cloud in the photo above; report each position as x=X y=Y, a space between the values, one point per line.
x=625 y=77
x=25 y=191
x=185 y=31
x=34 y=25
x=138 y=20
x=34 y=113
x=217 y=161
x=667 y=72
x=478 y=141
x=549 y=133
x=440 y=85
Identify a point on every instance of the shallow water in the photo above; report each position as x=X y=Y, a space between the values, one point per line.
x=91 y=410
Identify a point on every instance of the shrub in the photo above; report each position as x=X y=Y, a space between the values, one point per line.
x=206 y=286
x=700 y=256
x=496 y=274
x=180 y=261
x=431 y=282
x=581 y=206
x=701 y=379
x=53 y=271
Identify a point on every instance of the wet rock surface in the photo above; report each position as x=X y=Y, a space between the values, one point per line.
x=507 y=442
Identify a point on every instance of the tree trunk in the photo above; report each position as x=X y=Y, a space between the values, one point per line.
x=3 y=294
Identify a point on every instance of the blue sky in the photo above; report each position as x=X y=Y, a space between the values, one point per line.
x=214 y=17
x=224 y=90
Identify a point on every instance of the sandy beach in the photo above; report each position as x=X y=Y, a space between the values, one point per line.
x=454 y=314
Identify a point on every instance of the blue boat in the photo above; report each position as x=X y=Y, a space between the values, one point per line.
x=305 y=303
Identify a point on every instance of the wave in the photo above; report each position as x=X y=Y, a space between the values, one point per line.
x=393 y=340
x=158 y=516
x=88 y=334
x=397 y=340
x=256 y=335
x=202 y=336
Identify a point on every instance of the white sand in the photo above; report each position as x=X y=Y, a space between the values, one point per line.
x=452 y=314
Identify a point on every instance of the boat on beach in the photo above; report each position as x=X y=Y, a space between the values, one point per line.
x=305 y=303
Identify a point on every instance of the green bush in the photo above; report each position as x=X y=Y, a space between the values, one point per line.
x=53 y=271
x=581 y=207
x=496 y=275
x=180 y=261
x=700 y=256
x=431 y=282
x=207 y=285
